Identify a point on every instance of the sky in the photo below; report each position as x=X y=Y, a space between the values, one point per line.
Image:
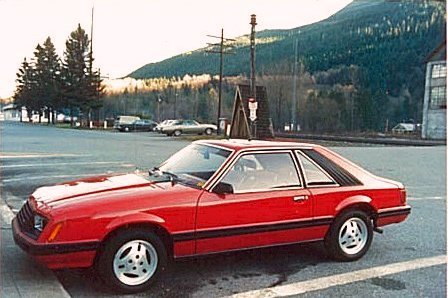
x=128 y=34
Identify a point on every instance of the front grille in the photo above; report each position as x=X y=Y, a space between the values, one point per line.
x=26 y=221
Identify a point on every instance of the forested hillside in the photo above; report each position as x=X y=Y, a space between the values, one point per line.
x=375 y=49
x=371 y=33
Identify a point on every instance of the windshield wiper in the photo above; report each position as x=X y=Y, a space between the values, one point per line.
x=173 y=177
x=154 y=171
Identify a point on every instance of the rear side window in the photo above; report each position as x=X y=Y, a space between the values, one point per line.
x=333 y=170
x=313 y=174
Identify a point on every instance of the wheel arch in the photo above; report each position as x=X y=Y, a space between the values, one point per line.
x=358 y=202
x=150 y=225
x=345 y=211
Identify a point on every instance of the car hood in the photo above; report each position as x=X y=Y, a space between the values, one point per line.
x=111 y=194
x=49 y=195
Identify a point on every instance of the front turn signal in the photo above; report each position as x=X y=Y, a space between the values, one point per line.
x=55 y=232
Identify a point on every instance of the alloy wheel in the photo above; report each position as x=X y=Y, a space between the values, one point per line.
x=353 y=236
x=135 y=262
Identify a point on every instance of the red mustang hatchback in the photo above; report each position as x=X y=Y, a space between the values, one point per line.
x=210 y=197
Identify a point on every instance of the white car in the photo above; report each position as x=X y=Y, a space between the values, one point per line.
x=188 y=126
x=162 y=124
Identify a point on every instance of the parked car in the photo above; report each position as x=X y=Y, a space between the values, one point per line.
x=137 y=125
x=210 y=197
x=179 y=127
x=124 y=120
x=162 y=124
x=68 y=119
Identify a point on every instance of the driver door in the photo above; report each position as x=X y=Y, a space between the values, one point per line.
x=268 y=205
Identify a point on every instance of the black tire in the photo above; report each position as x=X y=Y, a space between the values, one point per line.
x=357 y=241
x=177 y=133
x=208 y=131
x=105 y=262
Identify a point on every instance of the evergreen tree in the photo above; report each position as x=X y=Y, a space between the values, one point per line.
x=23 y=93
x=75 y=72
x=52 y=77
x=38 y=90
x=48 y=71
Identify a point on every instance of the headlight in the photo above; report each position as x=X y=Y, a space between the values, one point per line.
x=39 y=222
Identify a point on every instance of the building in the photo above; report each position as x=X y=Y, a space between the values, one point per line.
x=404 y=128
x=241 y=127
x=12 y=113
x=434 y=103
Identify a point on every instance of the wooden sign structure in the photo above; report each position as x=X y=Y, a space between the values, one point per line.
x=241 y=126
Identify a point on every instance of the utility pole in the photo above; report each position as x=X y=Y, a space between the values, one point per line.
x=294 y=90
x=175 y=103
x=221 y=53
x=91 y=63
x=253 y=88
x=91 y=45
x=159 y=100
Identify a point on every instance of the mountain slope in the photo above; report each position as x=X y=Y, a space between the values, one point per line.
x=385 y=37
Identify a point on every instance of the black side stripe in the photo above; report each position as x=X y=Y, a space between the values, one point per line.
x=404 y=211
x=250 y=230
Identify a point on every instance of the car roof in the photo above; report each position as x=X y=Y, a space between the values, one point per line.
x=241 y=144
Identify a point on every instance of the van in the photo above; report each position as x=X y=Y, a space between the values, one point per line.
x=120 y=120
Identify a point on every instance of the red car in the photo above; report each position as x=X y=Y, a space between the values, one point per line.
x=210 y=197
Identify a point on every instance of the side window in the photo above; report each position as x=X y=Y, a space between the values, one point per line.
x=313 y=174
x=263 y=171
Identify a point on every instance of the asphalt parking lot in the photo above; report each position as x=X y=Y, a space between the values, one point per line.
x=404 y=261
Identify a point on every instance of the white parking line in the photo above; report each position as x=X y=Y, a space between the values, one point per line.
x=426 y=198
x=61 y=164
x=344 y=278
x=6 y=213
x=11 y=156
x=55 y=176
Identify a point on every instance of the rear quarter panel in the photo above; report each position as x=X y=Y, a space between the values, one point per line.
x=331 y=201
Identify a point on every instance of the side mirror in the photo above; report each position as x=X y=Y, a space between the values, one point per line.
x=223 y=188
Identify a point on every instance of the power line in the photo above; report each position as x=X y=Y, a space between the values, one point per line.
x=222 y=51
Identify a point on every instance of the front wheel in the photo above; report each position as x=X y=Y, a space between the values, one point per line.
x=131 y=261
x=350 y=236
x=177 y=133
x=208 y=131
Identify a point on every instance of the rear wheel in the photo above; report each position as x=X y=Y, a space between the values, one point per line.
x=350 y=236
x=132 y=260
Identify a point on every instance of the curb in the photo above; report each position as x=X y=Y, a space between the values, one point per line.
x=367 y=140
x=6 y=214
x=23 y=278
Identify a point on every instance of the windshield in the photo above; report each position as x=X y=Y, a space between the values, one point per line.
x=195 y=163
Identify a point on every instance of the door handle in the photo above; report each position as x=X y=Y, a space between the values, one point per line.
x=300 y=198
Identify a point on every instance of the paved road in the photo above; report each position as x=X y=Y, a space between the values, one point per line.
x=33 y=156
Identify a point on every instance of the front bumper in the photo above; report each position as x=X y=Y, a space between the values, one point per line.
x=58 y=255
